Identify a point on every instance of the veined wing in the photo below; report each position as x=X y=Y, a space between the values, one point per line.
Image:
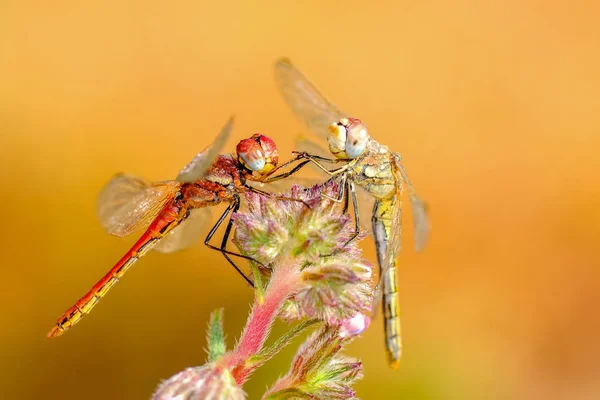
x=304 y=99
x=128 y=203
x=304 y=143
x=420 y=221
x=419 y=212
x=196 y=168
x=187 y=233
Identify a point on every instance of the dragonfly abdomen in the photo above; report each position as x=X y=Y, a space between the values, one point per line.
x=391 y=307
x=169 y=217
x=382 y=230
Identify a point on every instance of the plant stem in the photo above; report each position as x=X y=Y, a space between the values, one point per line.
x=284 y=282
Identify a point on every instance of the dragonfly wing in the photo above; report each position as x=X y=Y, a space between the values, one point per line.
x=305 y=100
x=389 y=249
x=128 y=203
x=200 y=164
x=365 y=209
x=187 y=233
x=306 y=144
x=421 y=222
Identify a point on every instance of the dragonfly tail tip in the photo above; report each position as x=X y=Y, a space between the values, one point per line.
x=56 y=331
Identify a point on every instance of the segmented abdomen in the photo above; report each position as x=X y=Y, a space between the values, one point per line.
x=169 y=217
x=382 y=228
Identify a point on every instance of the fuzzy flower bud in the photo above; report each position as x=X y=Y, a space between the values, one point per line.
x=311 y=271
x=302 y=224
x=333 y=291
x=318 y=371
x=209 y=381
x=334 y=283
x=264 y=230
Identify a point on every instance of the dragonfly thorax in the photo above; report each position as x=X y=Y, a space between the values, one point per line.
x=348 y=138
x=376 y=170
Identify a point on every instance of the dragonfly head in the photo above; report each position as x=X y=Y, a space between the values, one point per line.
x=348 y=138
x=258 y=153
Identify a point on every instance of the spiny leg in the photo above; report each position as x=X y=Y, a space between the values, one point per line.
x=232 y=208
x=346 y=199
x=296 y=169
x=341 y=192
x=352 y=190
x=225 y=239
x=318 y=159
x=302 y=154
x=289 y=173
x=344 y=183
x=277 y=197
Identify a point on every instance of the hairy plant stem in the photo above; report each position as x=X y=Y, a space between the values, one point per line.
x=284 y=282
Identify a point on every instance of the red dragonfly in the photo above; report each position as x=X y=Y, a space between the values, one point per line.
x=175 y=212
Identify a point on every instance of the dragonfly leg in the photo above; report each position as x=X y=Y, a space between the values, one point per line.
x=297 y=168
x=232 y=208
x=302 y=154
x=289 y=173
x=346 y=199
x=341 y=192
x=352 y=190
x=286 y=198
x=317 y=160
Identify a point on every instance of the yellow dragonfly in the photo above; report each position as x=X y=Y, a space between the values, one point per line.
x=370 y=165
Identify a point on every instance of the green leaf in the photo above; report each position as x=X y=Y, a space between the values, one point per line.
x=215 y=336
x=289 y=393
x=268 y=352
x=258 y=284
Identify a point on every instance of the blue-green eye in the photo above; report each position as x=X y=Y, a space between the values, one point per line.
x=357 y=138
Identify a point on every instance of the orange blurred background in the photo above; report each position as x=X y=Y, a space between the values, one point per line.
x=494 y=106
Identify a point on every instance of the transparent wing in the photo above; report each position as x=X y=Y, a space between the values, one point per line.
x=196 y=168
x=128 y=203
x=395 y=239
x=304 y=143
x=187 y=233
x=304 y=99
x=394 y=242
x=419 y=212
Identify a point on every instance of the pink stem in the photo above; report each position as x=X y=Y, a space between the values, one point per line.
x=283 y=283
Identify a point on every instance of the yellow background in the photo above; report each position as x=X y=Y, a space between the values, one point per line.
x=494 y=106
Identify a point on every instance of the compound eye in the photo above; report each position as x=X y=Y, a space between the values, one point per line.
x=337 y=139
x=251 y=155
x=270 y=154
x=269 y=149
x=356 y=139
